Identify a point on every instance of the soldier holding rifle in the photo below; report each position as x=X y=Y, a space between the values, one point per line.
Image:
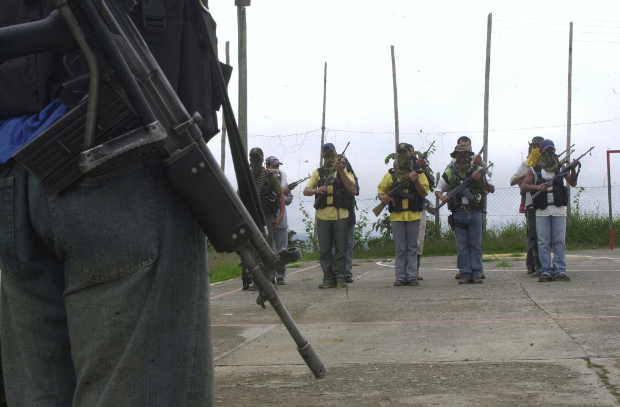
x=333 y=187
x=403 y=190
x=548 y=183
x=467 y=188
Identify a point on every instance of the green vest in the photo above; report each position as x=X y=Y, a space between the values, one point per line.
x=476 y=188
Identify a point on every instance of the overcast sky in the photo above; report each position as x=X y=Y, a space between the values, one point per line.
x=440 y=56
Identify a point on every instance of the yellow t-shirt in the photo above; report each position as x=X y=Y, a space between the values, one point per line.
x=330 y=212
x=405 y=216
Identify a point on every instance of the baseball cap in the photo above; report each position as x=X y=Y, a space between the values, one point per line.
x=546 y=144
x=537 y=140
x=273 y=160
x=329 y=146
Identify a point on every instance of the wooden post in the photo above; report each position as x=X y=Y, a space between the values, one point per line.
x=323 y=120
x=396 y=129
x=243 y=72
x=223 y=159
x=569 y=108
x=437 y=222
x=487 y=74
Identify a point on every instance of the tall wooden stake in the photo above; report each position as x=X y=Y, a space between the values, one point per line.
x=323 y=121
x=223 y=159
x=570 y=95
x=487 y=74
x=243 y=72
x=396 y=129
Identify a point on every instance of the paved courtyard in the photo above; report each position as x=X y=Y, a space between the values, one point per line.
x=511 y=341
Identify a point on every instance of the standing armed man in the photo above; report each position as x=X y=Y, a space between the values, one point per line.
x=466 y=208
x=333 y=188
x=404 y=190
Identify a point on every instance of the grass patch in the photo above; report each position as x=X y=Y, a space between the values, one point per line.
x=584 y=231
x=503 y=264
x=293 y=266
x=223 y=266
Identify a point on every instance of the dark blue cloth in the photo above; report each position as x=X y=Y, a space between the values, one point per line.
x=17 y=131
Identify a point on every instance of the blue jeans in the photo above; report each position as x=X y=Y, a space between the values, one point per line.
x=405 y=236
x=551 y=231
x=104 y=293
x=468 y=230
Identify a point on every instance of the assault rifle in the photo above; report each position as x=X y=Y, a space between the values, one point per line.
x=563 y=172
x=463 y=187
x=395 y=191
x=425 y=154
x=293 y=185
x=332 y=176
x=117 y=56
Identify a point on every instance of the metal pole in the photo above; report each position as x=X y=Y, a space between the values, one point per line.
x=243 y=72
x=396 y=130
x=323 y=120
x=570 y=93
x=223 y=156
x=485 y=134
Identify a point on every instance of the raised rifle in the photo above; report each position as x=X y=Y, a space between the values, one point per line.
x=563 y=172
x=463 y=186
x=396 y=190
x=425 y=154
x=294 y=184
x=339 y=157
x=116 y=52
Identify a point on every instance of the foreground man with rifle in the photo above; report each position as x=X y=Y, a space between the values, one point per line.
x=403 y=189
x=105 y=200
x=466 y=189
x=333 y=188
x=547 y=184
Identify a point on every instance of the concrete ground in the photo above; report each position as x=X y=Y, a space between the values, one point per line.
x=511 y=341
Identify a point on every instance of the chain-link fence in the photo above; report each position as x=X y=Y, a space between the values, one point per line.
x=503 y=205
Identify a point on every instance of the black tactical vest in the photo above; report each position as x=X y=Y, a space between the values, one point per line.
x=176 y=31
x=476 y=189
x=268 y=197
x=26 y=83
x=409 y=192
x=560 y=192
x=342 y=198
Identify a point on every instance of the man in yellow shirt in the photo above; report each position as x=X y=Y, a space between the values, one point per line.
x=333 y=188
x=404 y=189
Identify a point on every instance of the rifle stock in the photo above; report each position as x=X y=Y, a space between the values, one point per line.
x=379 y=208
